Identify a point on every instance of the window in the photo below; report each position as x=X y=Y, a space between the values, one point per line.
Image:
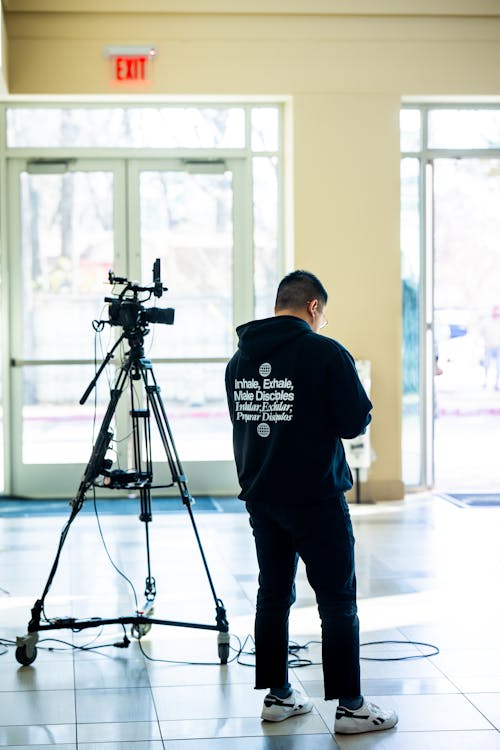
x=450 y=235
x=103 y=187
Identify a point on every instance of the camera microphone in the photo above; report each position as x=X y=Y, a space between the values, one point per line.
x=158 y=287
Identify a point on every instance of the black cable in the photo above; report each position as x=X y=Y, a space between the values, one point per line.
x=246 y=653
x=297 y=663
x=400 y=658
x=70 y=646
x=120 y=572
x=180 y=662
x=293 y=648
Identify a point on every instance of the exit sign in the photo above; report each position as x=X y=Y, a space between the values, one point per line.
x=130 y=68
x=132 y=64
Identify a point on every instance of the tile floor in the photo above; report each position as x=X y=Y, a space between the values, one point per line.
x=427 y=571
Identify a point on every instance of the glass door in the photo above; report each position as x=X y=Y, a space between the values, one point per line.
x=450 y=229
x=190 y=215
x=466 y=197
x=67 y=229
x=73 y=220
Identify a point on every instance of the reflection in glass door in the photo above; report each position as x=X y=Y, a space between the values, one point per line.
x=67 y=237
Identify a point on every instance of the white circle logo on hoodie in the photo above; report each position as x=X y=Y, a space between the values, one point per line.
x=263 y=429
x=265 y=369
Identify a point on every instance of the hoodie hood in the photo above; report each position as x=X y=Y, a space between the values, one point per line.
x=260 y=338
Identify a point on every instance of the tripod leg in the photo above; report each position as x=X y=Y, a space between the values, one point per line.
x=223 y=646
x=26 y=645
x=141 y=427
x=140 y=629
x=179 y=478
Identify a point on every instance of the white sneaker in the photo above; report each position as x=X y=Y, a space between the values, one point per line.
x=279 y=709
x=367 y=718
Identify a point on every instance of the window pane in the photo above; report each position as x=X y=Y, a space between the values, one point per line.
x=265 y=200
x=265 y=129
x=195 y=400
x=410 y=262
x=410 y=124
x=464 y=128
x=67 y=249
x=136 y=127
x=186 y=221
x=56 y=428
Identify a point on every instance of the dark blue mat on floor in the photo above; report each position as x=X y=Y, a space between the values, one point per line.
x=473 y=500
x=16 y=507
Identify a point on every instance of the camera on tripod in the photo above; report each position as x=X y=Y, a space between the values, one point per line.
x=128 y=311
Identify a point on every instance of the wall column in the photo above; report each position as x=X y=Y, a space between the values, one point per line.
x=346 y=230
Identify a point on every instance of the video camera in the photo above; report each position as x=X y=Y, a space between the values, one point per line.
x=128 y=311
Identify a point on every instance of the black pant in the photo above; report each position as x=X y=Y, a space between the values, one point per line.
x=322 y=536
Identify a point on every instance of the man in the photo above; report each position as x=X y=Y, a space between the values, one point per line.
x=292 y=395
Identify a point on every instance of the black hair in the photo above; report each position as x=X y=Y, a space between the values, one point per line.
x=297 y=289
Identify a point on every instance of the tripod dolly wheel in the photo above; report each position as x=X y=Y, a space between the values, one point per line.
x=23 y=657
x=138 y=630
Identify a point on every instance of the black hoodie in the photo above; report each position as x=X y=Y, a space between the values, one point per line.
x=292 y=395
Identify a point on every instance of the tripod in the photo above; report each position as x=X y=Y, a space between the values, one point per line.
x=135 y=367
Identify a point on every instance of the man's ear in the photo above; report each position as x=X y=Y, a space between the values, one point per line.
x=312 y=308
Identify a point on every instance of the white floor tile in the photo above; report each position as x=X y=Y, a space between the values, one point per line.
x=115 y=705
x=130 y=731
x=489 y=705
x=38 y=707
x=242 y=727
x=38 y=734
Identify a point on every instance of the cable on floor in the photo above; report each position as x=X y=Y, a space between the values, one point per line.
x=433 y=652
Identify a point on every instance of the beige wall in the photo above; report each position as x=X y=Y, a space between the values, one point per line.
x=346 y=198
x=344 y=76
x=3 y=53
